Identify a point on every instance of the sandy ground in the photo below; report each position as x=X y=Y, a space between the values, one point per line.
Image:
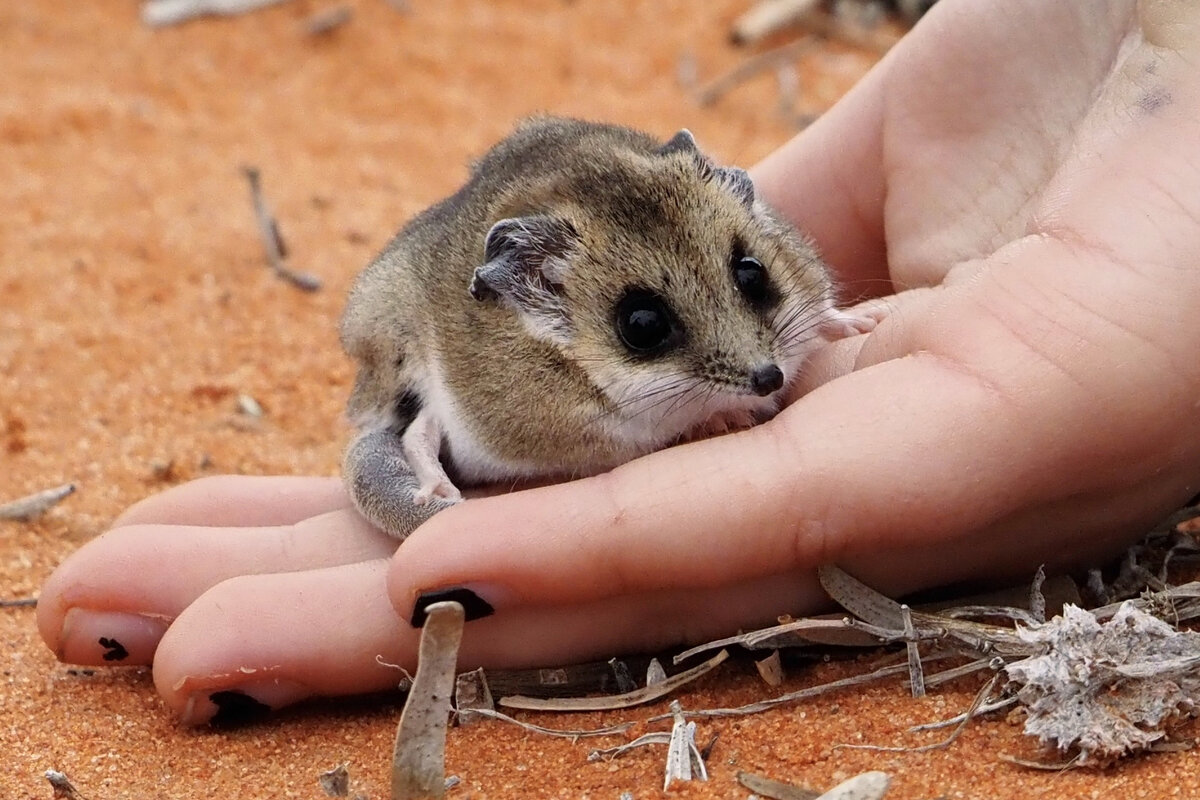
x=134 y=307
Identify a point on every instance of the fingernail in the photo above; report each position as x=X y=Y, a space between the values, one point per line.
x=109 y=637
x=242 y=705
x=474 y=606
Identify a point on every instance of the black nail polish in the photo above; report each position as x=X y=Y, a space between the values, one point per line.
x=113 y=650
x=236 y=708
x=474 y=606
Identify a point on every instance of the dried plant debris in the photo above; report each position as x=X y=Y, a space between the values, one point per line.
x=273 y=244
x=776 y=790
x=249 y=407
x=1105 y=690
x=971 y=712
x=683 y=757
x=419 y=757
x=471 y=696
x=797 y=696
x=63 y=789
x=916 y=674
x=171 y=12
x=770 y=669
x=646 y=739
x=768 y=16
x=335 y=782
x=328 y=20
x=655 y=674
x=610 y=702
x=36 y=504
x=573 y=735
x=20 y=602
x=867 y=786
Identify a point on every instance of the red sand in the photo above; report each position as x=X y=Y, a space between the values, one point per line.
x=134 y=306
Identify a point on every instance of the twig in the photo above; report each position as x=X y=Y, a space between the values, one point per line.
x=972 y=712
x=268 y=230
x=793 y=697
x=916 y=675
x=609 y=702
x=986 y=708
x=654 y=737
x=715 y=89
x=20 y=602
x=36 y=504
x=582 y=733
x=157 y=13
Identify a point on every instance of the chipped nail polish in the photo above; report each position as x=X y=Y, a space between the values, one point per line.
x=474 y=606
x=113 y=650
x=242 y=704
x=235 y=708
x=109 y=638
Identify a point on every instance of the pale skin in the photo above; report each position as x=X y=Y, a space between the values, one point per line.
x=1018 y=182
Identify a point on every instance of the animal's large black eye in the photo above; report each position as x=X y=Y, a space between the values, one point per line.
x=644 y=323
x=751 y=279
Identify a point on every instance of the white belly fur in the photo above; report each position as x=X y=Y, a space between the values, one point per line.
x=470 y=460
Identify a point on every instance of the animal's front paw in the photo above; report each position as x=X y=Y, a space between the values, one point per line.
x=854 y=321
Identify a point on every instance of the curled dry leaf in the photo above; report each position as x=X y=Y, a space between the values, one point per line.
x=419 y=757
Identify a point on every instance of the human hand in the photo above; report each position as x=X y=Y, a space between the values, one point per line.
x=1020 y=175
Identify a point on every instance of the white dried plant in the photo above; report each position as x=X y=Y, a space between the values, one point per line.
x=1102 y=691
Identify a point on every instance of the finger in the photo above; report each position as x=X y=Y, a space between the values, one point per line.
x=93 y=611
x=239 y=500
x=258 y=643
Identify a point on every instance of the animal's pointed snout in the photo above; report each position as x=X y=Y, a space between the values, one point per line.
x=766 y=379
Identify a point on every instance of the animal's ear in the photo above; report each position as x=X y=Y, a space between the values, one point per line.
x=526 y=260
x=733 y=179
x=737 y=181
x=682 y=142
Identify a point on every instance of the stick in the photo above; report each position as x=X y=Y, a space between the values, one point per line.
x=609 y=702
x=717 y=88
x=268 y=230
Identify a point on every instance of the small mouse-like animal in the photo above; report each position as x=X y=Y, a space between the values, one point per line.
x=590 y=295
